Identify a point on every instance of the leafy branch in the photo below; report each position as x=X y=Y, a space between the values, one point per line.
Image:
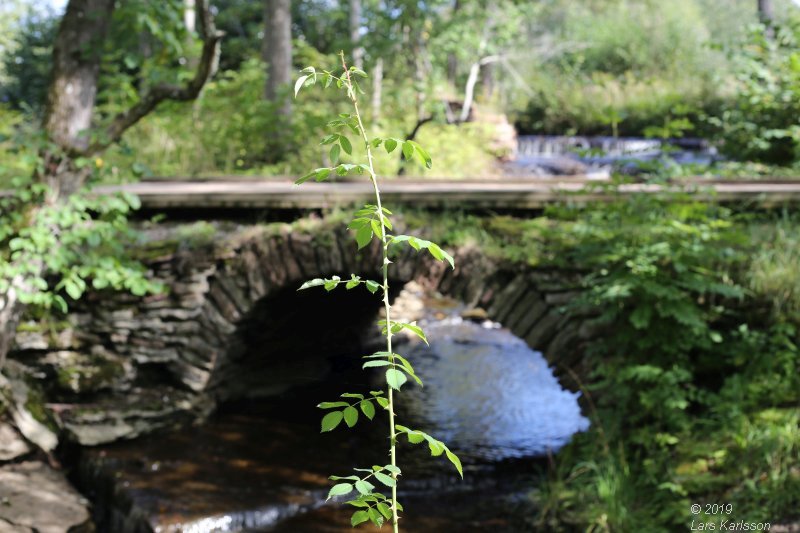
x=369 y=223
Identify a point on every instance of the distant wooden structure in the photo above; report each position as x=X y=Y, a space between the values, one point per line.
x=494 y=194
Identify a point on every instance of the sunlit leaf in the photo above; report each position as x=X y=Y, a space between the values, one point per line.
x=331 y=420
x=395 y=378
x=340 y=490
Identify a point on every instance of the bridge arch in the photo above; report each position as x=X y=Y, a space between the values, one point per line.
x=238 y=289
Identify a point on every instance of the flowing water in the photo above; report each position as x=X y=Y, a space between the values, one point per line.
x=262 y=465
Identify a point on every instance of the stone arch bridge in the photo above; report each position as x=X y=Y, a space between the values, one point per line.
x=231 y=324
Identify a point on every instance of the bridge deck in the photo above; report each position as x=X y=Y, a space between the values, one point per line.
x=489 y=194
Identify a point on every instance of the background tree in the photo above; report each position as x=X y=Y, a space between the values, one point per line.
x=277 y=54
x=74 y=131
x=355 y=33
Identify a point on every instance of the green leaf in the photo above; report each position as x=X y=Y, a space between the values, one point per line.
x=364 y=487
x=368 y=409
x=363 y=236
x=299 y=84
x=375 y=142
x=441 y=255
x=389 y=145
x=321 y=174
x=316 y=282
x=346 y=146
x=408 y=150
x=386 y=480
x=353 y=395
x=408 y=368
x=456 y=462
x=415 y=437
x=384 y=510
x=330 y=139
x=393 y=469
x=358 y=503
x=73 y=290
x=422 y=156
x=436 y=447
x=372 y=286
x=331 y=405
x=383 y=402
x=375 y=516
x=412 y=327
x=372 y=364
x=359 y=517
x=340 y=490
x=358 y=222
x=377 y=355
x=337 y=478
x=335 y=151
x=395 y=378
x=376 y=226
x=305 y=178
x=350 y=416
x=331 y=420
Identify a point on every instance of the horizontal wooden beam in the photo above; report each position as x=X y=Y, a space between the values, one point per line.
x=468 y=194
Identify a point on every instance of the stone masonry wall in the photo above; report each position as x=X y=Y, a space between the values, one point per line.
x=127 y=365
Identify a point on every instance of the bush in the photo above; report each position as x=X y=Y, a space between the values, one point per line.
x=627 y=68
x=692 y=381
x=761 y=123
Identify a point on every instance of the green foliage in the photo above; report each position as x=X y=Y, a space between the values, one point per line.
x=772 y=270
x=625 y=67
x=53 y=252
x=687 y=375
x=693 y=382
x=368 y=224
x=26 y=61
x=760 y=122
x=627 y=104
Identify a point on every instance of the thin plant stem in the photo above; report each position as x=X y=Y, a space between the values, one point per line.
x=385 y=268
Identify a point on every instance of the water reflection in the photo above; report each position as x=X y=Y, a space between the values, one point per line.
x=489 y=392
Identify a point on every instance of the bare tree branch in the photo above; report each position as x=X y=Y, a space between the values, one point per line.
x=206 y=68
x=469 y=91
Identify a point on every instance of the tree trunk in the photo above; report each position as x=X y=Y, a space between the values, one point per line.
x=452 y=60
x=377 y=90
x=355 y=33
x=766 y=15
x=76 y=66
x=68 y=118
x=488 y=82
x=277 y=53
x=190 y=15
x=67 y=122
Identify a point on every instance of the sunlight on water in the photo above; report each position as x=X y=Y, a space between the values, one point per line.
x=489 y=392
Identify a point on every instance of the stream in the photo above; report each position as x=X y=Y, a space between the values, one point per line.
x=261 y=465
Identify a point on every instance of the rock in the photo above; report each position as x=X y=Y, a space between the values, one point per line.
x=11 y=445
x=128 y=414
x=37 y=498
x=27 y=409
x=81 y=373
x=8 y=527
x=476 y=314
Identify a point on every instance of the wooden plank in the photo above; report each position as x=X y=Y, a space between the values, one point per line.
x=489 y=194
